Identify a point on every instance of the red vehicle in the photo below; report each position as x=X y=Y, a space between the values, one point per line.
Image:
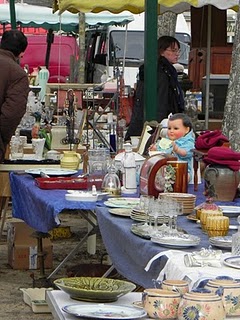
x=63 y=51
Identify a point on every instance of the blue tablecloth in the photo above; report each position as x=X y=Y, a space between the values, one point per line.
x=37 y=207
x=130 y=253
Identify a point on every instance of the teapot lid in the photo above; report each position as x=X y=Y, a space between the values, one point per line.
x=201 y=296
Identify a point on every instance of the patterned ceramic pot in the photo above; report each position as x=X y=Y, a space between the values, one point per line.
x=201 y=306
x=161 y=304
x=231 y=294
x=175 y=285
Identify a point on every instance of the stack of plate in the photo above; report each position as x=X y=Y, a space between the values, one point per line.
x=178 y=241
x=139 y=215
x=188 y=200
x=221 y=242
x=122 y=202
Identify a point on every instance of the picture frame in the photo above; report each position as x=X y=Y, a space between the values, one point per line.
x=151 y=129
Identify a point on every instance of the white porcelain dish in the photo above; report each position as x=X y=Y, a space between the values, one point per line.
x=100 y=195
x=231 y=211
x=123 y=212
x=221 y=242
x=122 y=202
x=102 y=311
x=81 y=196
x=177 y=242
x=233 y=262
x=51 y=172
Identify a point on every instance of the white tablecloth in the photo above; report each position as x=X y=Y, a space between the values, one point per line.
x=176 y=269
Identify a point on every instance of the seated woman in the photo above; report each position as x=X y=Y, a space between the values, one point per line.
x=179 y=140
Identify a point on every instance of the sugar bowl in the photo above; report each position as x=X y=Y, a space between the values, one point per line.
x=231 y=294
x=161 y=304
x=201 y=306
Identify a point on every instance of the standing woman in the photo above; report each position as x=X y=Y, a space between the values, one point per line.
x=170 y=94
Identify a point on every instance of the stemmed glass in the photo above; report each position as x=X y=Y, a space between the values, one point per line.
x=178 y=212
x=175 y=208
x=155 y=211
x=146 y=203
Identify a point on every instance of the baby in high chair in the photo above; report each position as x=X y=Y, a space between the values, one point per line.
x=179 y=140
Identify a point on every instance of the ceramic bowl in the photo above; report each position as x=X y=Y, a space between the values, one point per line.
x=94 y=289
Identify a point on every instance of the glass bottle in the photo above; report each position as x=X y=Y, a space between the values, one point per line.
x=129 y=170
x=236 y=240
x=112 y=137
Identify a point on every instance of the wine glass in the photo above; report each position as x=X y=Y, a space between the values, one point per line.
x=146 y=202
x=174 y=209
x=155 y=211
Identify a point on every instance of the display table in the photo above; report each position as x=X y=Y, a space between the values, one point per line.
x=5 y=191
x=130 y=253
x=57 y=299
x=40 y=209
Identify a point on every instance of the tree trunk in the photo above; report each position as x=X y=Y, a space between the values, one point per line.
x=167 y=24
x=231 y=118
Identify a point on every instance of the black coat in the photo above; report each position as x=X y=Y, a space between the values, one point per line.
x=170 y=95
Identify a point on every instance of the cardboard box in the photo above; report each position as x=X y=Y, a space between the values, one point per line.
x=22 y=247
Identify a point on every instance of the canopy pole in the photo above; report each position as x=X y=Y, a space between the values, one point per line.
x=12 y=14
x=150 y=60
x=208 y=65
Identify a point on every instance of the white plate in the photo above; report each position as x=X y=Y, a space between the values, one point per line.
x=231 y=210
x=102 y=311
x=51 y=172
x=177 y=242
x=123 y=212
x=122 y=202
x=100 y=195
x=233 y=262
x=81 y=197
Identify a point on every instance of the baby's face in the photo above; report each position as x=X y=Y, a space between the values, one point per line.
x=176 y=129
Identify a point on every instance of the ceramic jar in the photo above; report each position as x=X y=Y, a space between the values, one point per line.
x=176 y=285
x=161 y=304
x=70 y=160
x=201 y=306
x=139 y=160
x=231 y=294
x=221 y=182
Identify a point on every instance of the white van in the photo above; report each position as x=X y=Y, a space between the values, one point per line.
x=122 y=48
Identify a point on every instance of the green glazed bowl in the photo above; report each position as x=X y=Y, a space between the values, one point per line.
x=94 y=289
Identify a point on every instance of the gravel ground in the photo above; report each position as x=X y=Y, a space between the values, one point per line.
x=12 y=306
